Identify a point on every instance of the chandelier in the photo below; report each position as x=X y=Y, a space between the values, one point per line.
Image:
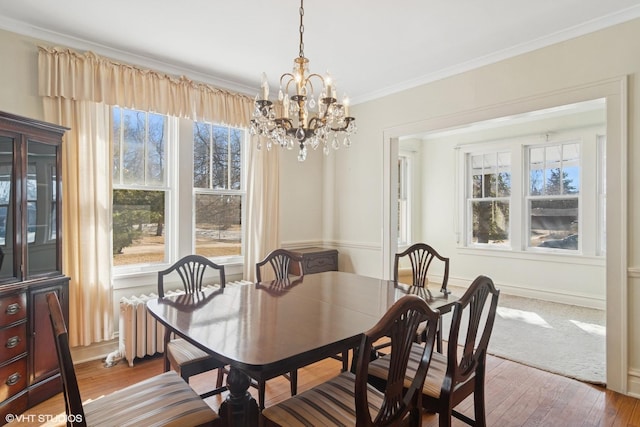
x=310 y=115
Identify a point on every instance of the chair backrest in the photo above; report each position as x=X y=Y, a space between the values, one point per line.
x=191 y=270
x=280 y=261
x=421 y=255
x=71 y=392
x=469 y=312
x=399 y=324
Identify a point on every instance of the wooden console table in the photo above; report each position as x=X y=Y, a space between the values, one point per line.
x=315 y=260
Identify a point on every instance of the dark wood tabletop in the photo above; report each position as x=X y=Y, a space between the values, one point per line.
x=270 y=328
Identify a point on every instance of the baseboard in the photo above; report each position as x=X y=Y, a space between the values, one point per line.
x=633 y=383
x=95 y=351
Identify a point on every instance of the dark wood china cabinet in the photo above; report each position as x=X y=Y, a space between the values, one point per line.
x=30 y=260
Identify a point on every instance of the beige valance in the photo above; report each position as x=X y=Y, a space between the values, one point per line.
x=90 y=77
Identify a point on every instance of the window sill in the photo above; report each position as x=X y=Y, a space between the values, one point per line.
x=557 y=256
x=149 y=275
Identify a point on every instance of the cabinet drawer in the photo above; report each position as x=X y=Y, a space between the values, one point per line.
x=13 y=378
x=320 y=263
x=13 y=308
x=316 y=260
x=13 y=342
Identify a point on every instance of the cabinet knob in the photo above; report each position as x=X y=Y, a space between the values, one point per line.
x=12 y=308
x=13 y=379
x=12 y=342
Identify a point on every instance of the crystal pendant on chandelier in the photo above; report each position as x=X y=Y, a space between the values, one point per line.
x=309 y=118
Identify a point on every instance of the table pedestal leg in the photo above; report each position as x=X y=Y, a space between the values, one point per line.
x=239 y=408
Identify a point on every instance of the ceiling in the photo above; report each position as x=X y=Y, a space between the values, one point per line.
x=371 y=48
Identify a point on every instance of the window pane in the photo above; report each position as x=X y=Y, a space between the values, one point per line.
x=156 y=149
x=235 y=148
x=476 y=173
x=489 y=175
x=554 y=223
x=536 y=171
x=490 y=222
x=571 y=180
x=218 y=225
x=138 y=227
x=116 y=129
x=571 y=168
x=201 y=154
x=220 y=159
x=504 y=175
x=133 y=158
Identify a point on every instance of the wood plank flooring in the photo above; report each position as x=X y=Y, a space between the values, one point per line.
x=516 y=395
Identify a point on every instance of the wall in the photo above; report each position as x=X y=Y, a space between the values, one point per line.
x=19 y=76
x=601 y=56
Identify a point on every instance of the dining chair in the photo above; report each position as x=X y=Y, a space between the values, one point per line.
x=349 y=399
x=421 y=257
x=184 y=357
x=162 y=400
x=280 y=260
x=461 y=372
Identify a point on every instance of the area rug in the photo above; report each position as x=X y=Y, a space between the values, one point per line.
x=559 y=338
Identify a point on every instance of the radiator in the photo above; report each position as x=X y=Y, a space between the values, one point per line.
x=140 y=334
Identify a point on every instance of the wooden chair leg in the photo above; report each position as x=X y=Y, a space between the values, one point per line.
x=439 y=336
x=345 y=361
x=294 y=382
x=220 y=377
x=478 y=403
x=261 y=393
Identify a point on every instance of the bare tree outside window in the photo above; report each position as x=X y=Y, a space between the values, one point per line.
x=219 y=193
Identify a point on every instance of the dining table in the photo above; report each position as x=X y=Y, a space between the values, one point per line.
x=266 y=329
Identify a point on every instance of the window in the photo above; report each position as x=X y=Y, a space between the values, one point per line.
x=218 y=189
x=524 y=194
x=488 y=200
x=553 y=196
x=178 y=187
x=404 y=200
x=140 y=187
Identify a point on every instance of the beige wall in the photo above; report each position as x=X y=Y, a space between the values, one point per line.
x=339 y=200
x=601 y=56
x=19 y=76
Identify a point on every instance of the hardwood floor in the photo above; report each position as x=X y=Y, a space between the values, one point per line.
x=516 y=395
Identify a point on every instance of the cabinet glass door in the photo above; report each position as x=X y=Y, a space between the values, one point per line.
x=42 y=208
x=7 y=248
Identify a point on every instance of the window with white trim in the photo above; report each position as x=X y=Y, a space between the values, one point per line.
x=489 y=198
x=538 y=196
x=218 y=189
x=404 y=200
x=553 y=196
x=150 y=213
x=141 y=190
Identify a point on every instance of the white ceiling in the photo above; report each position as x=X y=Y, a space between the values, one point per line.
x=371 y=48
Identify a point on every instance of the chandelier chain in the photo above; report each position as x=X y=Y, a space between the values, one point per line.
x=301 y=54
